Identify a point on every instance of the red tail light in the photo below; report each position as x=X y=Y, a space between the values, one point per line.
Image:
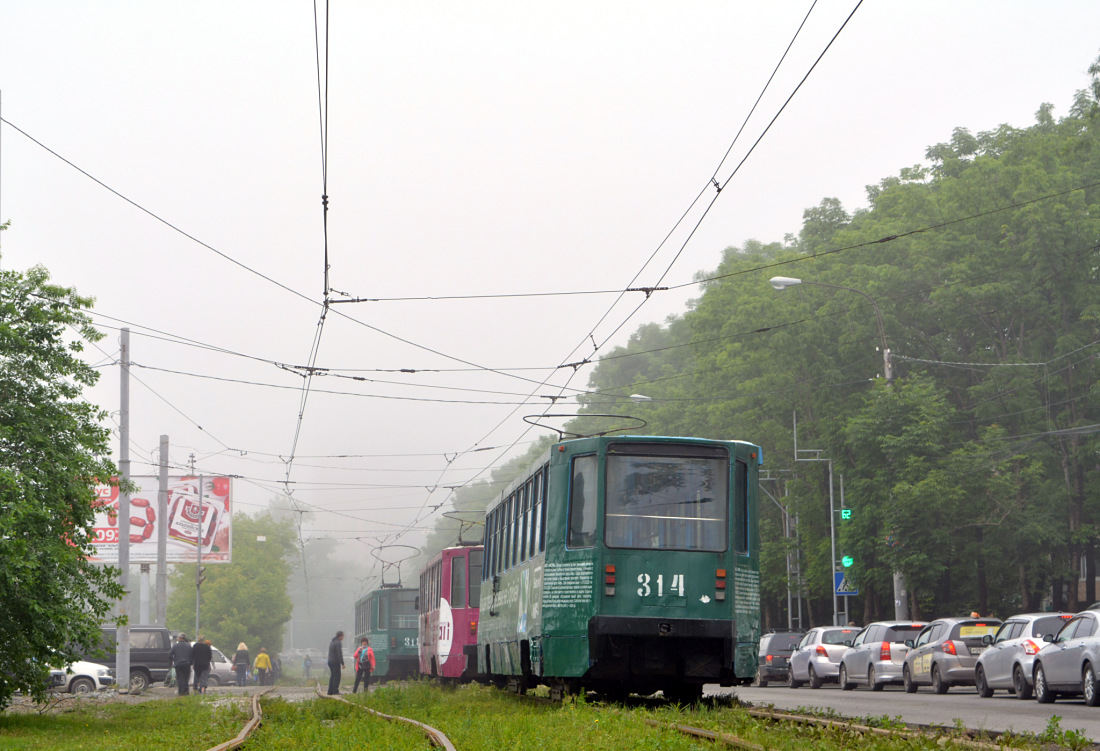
x=821 y=651
x=1030 y=647
x=949 y=647
x=473 y=628
x=768 y=658
x=884 y=651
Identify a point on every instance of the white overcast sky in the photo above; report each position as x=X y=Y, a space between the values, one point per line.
x=474 y=148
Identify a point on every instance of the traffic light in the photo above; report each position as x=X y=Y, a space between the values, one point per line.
x=845 y=513
x=200 y=576
x=847 y=561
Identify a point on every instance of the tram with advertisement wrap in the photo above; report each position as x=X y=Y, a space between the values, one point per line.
x=450 y=593
x=387 y=617
x=625 y=564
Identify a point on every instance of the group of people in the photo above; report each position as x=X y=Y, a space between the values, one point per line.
x=191 y=659
x=194 y=659
x=363 y=660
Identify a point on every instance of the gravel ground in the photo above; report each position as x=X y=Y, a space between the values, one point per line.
x=61 y=702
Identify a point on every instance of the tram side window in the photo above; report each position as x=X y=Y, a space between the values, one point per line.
x=582 y=502
x=494 y=520
x=476 y=564
x=506 y=531
x=536 y=505
x=458 y=582
x=741 y=507
x=521 y=521
x=528 y=501
x=542 y=519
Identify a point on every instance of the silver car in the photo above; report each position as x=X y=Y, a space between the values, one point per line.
x=1007 y=663
x=877 y=654
x=945 y=653
x=1068 y=665
x=816 y=659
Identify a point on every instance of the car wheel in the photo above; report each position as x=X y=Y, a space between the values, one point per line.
x=82 y=686
x=761 y=681
x=213 y=680
x=939 y=685
x=791 y=681
x=1043 y=694
x=138 y=681
x=843 y=678
x=1023 y=689
x=815 y=679
x=874 y=685
x=981 y=683
x=907 y=681
x=1089 y=687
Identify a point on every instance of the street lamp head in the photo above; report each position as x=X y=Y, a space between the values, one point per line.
x=638 y=398
x=782 y=282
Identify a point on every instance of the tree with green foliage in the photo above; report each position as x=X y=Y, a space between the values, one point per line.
x=52 y=450
x=245 y=600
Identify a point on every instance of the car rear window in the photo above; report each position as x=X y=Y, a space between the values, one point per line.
x=899 y=634
x=974 y=629
x=783 y=643
x=839 y=636
x=1049 y=625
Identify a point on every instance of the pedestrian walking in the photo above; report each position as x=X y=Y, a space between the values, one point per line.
x=201 y=654
x=335 y=662
x=181 y=661
x=263 y=666
x=307 y=664
x=364 y=665
x=241 y=661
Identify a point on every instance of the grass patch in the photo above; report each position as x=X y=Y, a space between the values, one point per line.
x=163 y=724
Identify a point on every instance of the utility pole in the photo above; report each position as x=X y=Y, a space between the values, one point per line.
x=162 y=536
x=122 y=663
x=816 y=457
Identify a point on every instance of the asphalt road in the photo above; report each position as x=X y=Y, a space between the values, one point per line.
x=1002 y=712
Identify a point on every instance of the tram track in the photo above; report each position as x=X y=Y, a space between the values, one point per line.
x=249 y=727
x=435 y=737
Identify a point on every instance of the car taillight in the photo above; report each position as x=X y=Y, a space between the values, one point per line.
x=821 y=651
x=768 y=659
x=949 y=648
x=884 y=651
x=1030 y=647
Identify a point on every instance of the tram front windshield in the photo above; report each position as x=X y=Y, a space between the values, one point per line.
x=667 y=502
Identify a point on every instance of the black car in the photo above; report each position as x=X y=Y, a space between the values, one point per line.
x=150 y=654
x=775 y=652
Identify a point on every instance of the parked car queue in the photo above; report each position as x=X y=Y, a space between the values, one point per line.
x=1040 y=655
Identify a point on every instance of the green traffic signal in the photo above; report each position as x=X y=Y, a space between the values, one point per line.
x=845 y=513
x=847 y=561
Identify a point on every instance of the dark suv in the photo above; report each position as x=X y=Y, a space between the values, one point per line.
x=150 y=654
x=775 y=652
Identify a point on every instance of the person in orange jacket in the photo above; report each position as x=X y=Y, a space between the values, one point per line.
x=364 y=665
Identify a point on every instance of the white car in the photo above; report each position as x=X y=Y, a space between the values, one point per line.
x=85 y=677
x=816 y=659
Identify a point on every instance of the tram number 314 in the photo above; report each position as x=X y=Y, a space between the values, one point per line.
x=676 y=586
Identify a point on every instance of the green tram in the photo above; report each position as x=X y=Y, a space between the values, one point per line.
x=387 y=617
x=625 y=565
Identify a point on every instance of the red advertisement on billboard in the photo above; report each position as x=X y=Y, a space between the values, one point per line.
x=192 y=519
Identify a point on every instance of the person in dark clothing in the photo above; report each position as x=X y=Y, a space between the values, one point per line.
x=241 y=661
x=335 y=662
x=307 y=665
x=181 y=661
x=201 y=655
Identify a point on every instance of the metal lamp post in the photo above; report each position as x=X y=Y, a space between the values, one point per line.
x=901 y=605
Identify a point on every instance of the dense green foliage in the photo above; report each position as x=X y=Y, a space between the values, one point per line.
x=52 y=447
x=976 y=471
x=246 y=600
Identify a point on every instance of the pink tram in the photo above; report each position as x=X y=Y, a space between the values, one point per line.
x=450 y=594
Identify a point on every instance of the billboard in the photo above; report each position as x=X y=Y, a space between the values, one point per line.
x=188 y=522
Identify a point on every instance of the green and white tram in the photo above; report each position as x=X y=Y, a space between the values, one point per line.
x=625 y=564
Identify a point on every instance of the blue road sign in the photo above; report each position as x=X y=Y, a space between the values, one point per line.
x=842 y=585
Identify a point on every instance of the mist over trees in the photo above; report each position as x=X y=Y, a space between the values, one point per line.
x=245 y=600
x=975 y=472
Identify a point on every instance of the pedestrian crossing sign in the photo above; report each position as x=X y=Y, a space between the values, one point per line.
x=842 y=585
